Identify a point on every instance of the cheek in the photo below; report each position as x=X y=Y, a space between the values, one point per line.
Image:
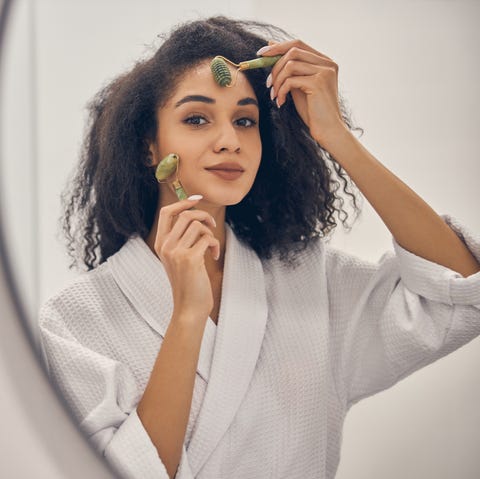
x=186 y=149
x=258 y=149
x=251 y=141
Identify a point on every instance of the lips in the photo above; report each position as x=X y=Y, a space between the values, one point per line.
x=226 y=171
x=225 y=167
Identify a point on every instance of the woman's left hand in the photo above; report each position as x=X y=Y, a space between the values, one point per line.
x=312 y=80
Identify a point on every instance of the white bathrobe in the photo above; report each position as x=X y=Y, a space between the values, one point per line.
x=293 y=350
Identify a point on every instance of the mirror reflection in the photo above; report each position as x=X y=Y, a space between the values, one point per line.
x=203 y=324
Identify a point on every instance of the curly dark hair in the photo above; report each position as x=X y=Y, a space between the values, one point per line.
x=114 y=194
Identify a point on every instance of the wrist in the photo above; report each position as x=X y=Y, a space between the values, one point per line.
x=342 y=145
x=189 y=317
x=187 y=330
x=330 y=138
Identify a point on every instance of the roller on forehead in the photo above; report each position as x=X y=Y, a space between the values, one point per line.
x=221 y=72
x=167 y=167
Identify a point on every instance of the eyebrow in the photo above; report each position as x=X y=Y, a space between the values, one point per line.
x=205 y=99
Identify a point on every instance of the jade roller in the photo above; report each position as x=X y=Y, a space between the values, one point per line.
x=222 y=74
x=166 y=168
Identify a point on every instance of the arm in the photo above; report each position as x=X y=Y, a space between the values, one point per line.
x=135 y=427
x=165 y=406
x=103 y=395
x=312 y=78
x=391 y=318
x=412 y=222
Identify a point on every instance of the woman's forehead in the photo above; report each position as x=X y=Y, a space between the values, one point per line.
x=199 y=80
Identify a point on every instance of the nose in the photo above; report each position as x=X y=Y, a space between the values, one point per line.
x=227 y=139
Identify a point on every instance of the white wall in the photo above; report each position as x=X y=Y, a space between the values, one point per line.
x=409 y=71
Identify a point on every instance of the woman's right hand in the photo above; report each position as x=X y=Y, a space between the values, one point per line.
x=181 y=241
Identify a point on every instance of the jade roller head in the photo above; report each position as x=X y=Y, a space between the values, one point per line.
x=221 y=72
x=166 y=168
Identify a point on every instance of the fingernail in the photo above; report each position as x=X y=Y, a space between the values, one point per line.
x=269 y=80
x=216 y=257
x=278 y=104
x=263 y=50
x=214 y=222
x=195 y=197
x=272 y=93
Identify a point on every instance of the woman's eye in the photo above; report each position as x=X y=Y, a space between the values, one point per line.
x=246 y=122
x=195 y=120
x=198 y=120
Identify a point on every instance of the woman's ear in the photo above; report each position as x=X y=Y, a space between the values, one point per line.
x=152 y=157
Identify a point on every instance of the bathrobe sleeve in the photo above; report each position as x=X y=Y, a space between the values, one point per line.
x=102 y=395
x=394 y=317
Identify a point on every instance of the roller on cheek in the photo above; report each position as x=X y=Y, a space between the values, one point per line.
x=166 y=168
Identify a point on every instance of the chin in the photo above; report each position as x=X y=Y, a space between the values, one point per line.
x=225 y=199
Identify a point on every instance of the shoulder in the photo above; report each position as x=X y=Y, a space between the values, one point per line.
x=309 y=259
x=321 y=256
x=84 y=300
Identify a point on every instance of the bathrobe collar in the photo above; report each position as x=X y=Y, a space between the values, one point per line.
x=239 y=333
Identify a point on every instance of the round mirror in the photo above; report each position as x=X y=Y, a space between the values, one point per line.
x=409 y=72
x=40 y=439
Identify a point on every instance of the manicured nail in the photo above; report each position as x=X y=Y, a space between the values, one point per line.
x=214 y=222
x=216 y=257
x=269 y=80
x=278 y=104
x=263 y=50
x=195 y=197
x=272 y=93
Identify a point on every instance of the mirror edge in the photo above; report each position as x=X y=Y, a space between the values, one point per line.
x=41 y=404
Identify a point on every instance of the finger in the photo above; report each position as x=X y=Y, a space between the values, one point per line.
x=307 y=84
x=281 y=48
x=292 y=68
x=183 y=221
x=302 y=83
x=206 y=242
x=193 y=232
x=169 y=212
x=297 y=55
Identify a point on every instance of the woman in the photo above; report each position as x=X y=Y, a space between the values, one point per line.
x=229 y=340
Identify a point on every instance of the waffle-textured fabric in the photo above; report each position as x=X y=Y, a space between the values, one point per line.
x=292 y=351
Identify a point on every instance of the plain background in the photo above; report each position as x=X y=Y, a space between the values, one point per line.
x=409 y=71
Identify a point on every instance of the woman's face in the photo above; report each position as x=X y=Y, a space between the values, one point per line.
x=212 y=129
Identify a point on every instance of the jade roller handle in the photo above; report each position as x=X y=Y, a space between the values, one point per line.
x=262 y=62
